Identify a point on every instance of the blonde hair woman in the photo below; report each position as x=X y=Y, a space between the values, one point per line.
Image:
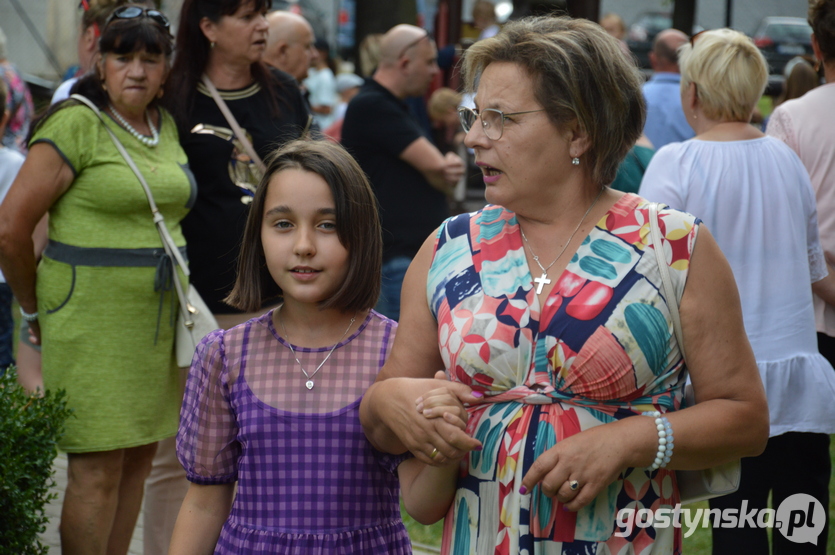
x=755 y=195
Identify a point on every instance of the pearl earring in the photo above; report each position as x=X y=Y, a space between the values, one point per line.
x=211 y=44
x=575 y=161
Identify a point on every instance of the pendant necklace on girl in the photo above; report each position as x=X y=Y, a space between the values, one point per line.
x=543 y=280
x=309 y=383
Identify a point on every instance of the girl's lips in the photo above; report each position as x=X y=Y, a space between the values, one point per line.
x=304 y=274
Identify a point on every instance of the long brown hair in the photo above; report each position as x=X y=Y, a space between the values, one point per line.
x=192 y=57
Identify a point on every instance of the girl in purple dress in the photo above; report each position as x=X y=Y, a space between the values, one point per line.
x=272 y=404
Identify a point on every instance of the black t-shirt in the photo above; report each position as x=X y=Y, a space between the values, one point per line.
x=214 y=227
x=377 y=129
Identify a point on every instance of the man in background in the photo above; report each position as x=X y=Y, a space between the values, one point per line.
x=665 y=117
x=410 y=176
x=290 y=44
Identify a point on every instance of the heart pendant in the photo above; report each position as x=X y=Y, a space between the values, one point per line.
x=309 y=384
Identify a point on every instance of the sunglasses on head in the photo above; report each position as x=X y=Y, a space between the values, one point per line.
x=132 y=12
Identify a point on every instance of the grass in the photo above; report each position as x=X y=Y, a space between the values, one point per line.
x=700 y=543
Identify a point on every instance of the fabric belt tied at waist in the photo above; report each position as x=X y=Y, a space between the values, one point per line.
x=155 y=257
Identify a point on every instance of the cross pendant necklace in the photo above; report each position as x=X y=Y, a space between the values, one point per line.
x=309 y=383
x=543 y=280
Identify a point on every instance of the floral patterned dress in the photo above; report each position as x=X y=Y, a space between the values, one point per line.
x=601 y=349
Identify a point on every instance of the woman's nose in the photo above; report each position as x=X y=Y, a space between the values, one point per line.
x=475 y=136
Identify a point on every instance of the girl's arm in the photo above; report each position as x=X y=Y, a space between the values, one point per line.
x=427 y=490
x=204 y=510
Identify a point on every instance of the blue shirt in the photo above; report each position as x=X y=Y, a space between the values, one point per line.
x=665 y=117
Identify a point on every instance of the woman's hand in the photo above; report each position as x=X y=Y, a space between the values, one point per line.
x=593 y=458
x=444 y=403
x=393 y=424
x=35 y=333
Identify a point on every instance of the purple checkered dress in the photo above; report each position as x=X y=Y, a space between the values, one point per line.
x=308 y=480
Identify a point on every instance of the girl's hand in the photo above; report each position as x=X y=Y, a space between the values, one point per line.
x=442 y=402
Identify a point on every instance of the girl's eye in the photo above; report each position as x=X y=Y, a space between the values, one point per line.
x=283 y=224
x=329 y=226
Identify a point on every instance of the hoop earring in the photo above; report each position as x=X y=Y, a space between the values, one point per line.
x=575 y=161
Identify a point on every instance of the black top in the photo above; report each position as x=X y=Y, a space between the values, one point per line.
x=377 y=129
x=214 y=227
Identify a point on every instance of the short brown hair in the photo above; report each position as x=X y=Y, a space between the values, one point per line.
x=579 y=74
x=357 y=226
x=822 y=20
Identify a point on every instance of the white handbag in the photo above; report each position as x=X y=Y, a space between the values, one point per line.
x=194 y=320
x=693 y=485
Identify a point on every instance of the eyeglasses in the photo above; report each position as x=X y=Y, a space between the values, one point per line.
x=132 y=12
x=492 y=121
x=413 y=43
x=693 y=38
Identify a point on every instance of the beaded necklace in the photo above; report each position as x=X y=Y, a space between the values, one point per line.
x=151 y=141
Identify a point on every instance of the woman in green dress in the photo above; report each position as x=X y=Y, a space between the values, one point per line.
x=101 y=298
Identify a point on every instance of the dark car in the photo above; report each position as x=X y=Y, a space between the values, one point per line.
x=782 y=38
x=642 y=33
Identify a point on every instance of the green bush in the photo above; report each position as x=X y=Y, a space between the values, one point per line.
x=30 y=426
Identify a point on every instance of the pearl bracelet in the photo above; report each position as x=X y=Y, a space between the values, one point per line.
x=665 y=440
x=28 y=317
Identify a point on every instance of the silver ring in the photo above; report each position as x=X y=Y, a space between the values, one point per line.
x=434 y=453
x=574 y=485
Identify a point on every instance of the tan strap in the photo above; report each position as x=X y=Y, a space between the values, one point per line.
x=168 y=244
x=669 y=291
x=233 y=123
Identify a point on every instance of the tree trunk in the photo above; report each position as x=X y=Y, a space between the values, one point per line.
x=684 y=16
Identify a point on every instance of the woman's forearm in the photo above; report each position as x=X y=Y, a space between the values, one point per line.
x=374 y=423
x=17 y=260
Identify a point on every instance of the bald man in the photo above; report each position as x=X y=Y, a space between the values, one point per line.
x=665 y=118
x=290 y=44
x=409 y=174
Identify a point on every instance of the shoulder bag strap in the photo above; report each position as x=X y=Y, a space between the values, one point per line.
x=669 y=292
x=233 y=123
x=167 y=241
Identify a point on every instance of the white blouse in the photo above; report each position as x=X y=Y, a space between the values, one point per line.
x=756 y=199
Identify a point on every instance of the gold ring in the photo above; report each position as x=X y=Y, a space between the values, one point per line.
x=574 y=485
x=434 y=453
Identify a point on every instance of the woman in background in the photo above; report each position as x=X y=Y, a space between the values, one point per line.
x=754 y=193
x=224 y=40
x=102 y=303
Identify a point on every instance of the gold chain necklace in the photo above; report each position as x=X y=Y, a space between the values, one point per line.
x=543 y=280
x=309 y=383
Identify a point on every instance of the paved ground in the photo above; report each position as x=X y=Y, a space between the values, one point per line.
x=53 y=511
